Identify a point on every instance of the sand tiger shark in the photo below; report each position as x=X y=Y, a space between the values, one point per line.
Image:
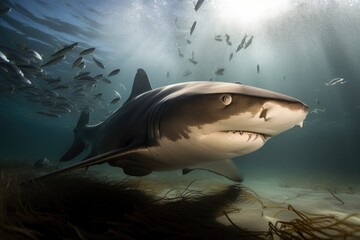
x=191 y=125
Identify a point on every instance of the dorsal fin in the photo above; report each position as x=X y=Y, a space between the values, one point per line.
x=141 y=84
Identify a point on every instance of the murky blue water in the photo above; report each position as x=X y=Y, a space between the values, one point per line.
x=298 y=45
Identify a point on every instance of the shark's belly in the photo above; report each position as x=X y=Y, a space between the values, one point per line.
x=170 y=155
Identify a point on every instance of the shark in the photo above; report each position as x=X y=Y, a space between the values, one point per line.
x=184 y=126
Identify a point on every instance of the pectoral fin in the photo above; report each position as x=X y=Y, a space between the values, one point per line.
x=225 y=168
x=99 y=159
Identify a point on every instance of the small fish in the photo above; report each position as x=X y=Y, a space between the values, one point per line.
x=180 y=53
x=98 y=63
x=335 y=81
x=98 y=77
x=258 y=68
x=12 y=69
x=228 y=43
x=30 y=68
x=106 y=80
x=65 y=49
x=231 y=56
x=243 y=41
x=114 y=72
x=4 y=11
x=34 y=54
x=87 y=51
x=82 y=74
x=227 y=37
x=115 y=100
x=317 y=101
x=77 y=62
x=193 y=61
x=218 y=38
x=99 y=95
x=239 y=48
x=86 y=78
x=49 y=114
x=219 y=71
x=198 y=4
x=168 y=74
x=193 y=28
x=249 y=42
x=3 y=57
x=188 y=41
x=54 y=61
x=78 y=90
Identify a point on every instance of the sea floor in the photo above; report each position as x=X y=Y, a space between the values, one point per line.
x=103 y=203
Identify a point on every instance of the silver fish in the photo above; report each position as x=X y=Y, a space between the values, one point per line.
x=258 y=68
x=193 y=61
x=198 y=4
x=34 y=54
x=249 y=42
x=30 y=68
x=3 y=57
x=87 y=51
x=98 y=77
x=65 y=50
x=98 y=63
x=231 y=56
x=218 y=38
x=77 y=62
x=114 y=72
x=193 y=28
x=227 y=37
x=54 y=61
x=335 y=81
x=106 y=80
x=115 y=100
x=82 y=74
x=180 y=53
x=219 y=71
x=12 y=69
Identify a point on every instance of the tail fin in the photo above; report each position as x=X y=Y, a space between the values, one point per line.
x=78 y=145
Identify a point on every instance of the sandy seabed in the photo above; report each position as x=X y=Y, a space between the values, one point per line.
x=105 y=204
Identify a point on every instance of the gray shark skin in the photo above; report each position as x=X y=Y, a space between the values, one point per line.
x=191 y=125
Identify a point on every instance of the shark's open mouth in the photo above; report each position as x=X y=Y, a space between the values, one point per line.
x=252 y=136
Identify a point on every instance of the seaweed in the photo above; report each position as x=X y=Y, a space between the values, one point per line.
x=336 y=197
x=315 y=226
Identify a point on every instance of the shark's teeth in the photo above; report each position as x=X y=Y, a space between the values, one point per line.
x=301 y=124
x=249 y=135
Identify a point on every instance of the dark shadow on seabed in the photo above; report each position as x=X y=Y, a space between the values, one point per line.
x=75 y=207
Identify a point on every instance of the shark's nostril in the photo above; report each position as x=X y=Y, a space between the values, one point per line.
x=263 y=114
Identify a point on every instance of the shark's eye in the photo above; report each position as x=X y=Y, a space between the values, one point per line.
x=226 y=99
